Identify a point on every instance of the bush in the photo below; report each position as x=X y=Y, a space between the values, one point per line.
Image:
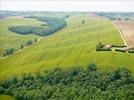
x=22 y=46
x=108 y=49
x=92 y=67
x=131 y=50
x=120 y=50
x=99 y=46
x=120 y=46
x=29 y=42
x=83 y=21
x=35 y=40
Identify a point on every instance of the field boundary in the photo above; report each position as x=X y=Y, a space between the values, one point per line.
x=125 y=43
x=22 y=49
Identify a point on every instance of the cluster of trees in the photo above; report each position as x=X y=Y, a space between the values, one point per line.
x=28 y=43
x=53 y=25
x=22 y=29
x=72 y=84
x=8 y=51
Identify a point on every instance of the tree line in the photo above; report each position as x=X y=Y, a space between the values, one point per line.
x=116 y=15
x=75 y=83
x=10 y=51
x=53 y=25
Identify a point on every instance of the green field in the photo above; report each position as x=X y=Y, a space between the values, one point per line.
x=10 y=39
x=74 y=45
x=6 y=97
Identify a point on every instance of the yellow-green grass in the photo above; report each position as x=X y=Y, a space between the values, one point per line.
x=10 y=39
x=75 y=45
x=6 y=97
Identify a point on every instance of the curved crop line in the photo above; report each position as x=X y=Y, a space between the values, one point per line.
x=65 y=56
x=40 y=58
x=76 y=61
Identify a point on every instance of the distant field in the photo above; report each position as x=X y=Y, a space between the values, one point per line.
x=74 y=45
x=127 y=29
x=10 y=39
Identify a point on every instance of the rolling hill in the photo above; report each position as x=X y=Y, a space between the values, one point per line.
x=8 y=38
x=74 y=45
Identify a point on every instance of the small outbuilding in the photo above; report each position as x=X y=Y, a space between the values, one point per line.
x=108 y=46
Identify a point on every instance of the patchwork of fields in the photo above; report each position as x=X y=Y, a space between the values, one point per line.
x=127 y=30
x=71 y=46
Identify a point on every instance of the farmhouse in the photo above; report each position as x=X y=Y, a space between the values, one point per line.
x=108 y=46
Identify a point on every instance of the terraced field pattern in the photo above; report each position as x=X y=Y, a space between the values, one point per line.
x=74 y=45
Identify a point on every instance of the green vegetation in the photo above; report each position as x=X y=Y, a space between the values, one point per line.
x=99 y=46
x=117 y=16
x=120 y=50
x=22 y=29
x=72 y=84
x=6 y=97
x=131 y=50
x=5 y=14
x=10 y=39
x=12 y=50
x=8 y=51
x=53 y=25
x=71 y=46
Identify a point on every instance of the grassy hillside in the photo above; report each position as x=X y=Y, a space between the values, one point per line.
x=8 y=38
x=71 y=46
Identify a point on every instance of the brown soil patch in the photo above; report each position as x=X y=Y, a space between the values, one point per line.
x=127 y=30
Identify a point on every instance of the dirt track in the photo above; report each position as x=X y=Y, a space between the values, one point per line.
x=127 y=30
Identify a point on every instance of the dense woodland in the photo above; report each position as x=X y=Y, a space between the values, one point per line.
x=72 y=84
x=115 y=15
x=6 y=13
x=53 y=25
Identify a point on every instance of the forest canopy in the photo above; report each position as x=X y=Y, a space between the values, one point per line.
x=72 y=84
x=53 y=25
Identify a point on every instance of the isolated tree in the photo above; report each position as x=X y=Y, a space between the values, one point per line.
x=35 y=40
x=29 y=42
x=22 y=46
x=83 y=21
x=66 y=16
